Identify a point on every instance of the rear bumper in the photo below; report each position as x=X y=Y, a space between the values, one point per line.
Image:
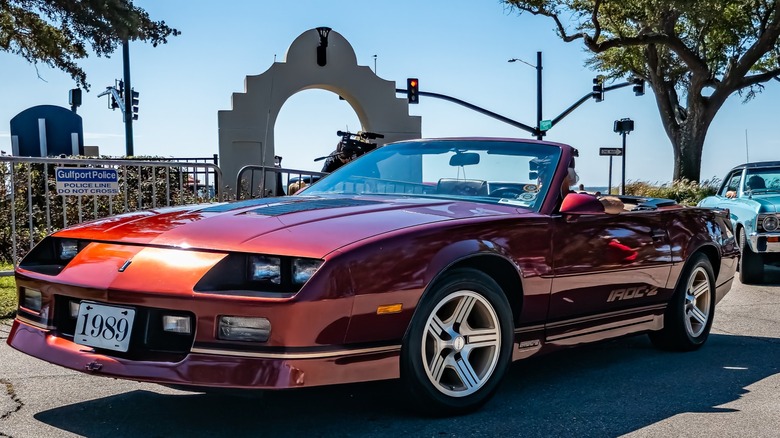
x=206 y=367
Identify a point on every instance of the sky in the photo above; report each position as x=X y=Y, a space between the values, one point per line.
x=455 y=47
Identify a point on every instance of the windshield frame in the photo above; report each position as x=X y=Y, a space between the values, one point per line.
x=464 y=158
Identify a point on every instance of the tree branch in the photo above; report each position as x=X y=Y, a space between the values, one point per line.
x=759 y=78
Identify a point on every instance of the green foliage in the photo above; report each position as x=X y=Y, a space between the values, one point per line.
x=693 y=53
x=7 y=294
x=58 y=32
x=24 y=206
x=683 y=191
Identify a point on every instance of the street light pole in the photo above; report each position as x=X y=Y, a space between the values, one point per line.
x=538 y=67
x=540 y=133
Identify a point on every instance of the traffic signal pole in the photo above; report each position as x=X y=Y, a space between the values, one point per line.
x=128 y=112
x=535 y=131
x=481 y=110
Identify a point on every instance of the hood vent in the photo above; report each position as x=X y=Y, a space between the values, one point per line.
x=278 y=209
x=221 y=208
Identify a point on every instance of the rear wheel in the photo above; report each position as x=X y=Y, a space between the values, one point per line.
x=689 y=316
x=459 y=344
x=751 y=264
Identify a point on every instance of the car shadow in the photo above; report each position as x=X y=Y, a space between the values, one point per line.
x=606 y=389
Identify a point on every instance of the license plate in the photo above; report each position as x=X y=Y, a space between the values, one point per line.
x=104 y=326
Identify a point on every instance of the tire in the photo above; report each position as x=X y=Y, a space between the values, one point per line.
x=751 y=265
x=689 y=315
x=458 y=345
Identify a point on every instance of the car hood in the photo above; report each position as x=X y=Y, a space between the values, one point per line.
x=768 y=203
x=304 y=226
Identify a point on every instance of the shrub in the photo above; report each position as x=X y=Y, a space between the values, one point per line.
x=28 y=197
x=683 y=191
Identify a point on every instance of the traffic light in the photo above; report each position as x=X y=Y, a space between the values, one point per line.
x=120 y=87
x=598 y=89
x=413 y=90
x=639 y=86
x=114 y=104
x=134 y=101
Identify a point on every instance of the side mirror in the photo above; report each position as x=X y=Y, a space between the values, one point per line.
x=579 y=203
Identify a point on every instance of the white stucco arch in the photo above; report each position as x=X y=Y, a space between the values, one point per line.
x=246 y=132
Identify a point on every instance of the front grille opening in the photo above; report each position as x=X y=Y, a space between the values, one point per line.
x=148 y=339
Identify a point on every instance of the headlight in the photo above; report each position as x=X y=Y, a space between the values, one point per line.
x=67 y=249
x=770 y=223
x=266 y=269
x=303 y=269
x=258 y=275
x=52 y=254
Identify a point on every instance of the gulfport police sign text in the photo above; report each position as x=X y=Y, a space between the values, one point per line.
x=86 y=181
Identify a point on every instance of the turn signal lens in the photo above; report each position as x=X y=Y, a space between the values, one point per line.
x=177 y=324
x=73 y=308
x=245 y=329
x=31 y=299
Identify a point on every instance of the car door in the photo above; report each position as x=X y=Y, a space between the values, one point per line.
x=607 y=269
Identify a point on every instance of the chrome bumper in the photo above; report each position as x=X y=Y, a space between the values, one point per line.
x=760 y=242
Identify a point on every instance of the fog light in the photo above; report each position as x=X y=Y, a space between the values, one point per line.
x=31 y=299
x=240 y=328
x=177 y=324
x=73 y=307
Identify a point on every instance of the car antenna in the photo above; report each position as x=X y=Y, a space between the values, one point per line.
x=747 y=148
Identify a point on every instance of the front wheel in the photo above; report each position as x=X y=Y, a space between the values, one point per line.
x=689 y=316
x=751 y=264
x=458 y=345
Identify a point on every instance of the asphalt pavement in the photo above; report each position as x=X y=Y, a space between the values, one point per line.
x=729 y=388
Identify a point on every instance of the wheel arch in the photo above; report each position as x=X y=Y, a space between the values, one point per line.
x=712 y=254
x=495 y=265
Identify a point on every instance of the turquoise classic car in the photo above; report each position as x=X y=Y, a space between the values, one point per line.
x=751 y=192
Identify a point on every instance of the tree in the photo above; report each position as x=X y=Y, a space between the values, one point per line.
x=693 y=53
x=58 y=32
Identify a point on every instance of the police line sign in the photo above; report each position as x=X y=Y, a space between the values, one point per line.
x=86 y=181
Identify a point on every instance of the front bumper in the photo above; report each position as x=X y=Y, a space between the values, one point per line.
x=209 y=367
x=765 y=242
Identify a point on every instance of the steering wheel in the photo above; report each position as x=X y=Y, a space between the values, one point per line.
x=506 y=192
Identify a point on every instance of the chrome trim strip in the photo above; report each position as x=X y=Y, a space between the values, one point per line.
x=606 y=328
x=607 y=315
x=530 y=328
x=322 y=355
x=33 y=323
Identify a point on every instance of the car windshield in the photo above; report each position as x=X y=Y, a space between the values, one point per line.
x=762 y=180
x=489 y=171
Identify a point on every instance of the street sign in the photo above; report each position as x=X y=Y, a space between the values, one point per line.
x=614 y=152
x=86 y=181
x=545 y=125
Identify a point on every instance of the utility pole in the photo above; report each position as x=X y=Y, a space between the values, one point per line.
x=128 y=112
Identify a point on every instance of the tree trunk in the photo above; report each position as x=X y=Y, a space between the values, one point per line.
x=686 y=133
x=688 y=145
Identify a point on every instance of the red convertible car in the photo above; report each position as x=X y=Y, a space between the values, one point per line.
x=438 y=262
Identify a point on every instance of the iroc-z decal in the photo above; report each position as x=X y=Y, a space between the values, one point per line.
x=631 y=292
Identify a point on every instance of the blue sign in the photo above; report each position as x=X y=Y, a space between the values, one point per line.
x=86 y=181
x=45 y=131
